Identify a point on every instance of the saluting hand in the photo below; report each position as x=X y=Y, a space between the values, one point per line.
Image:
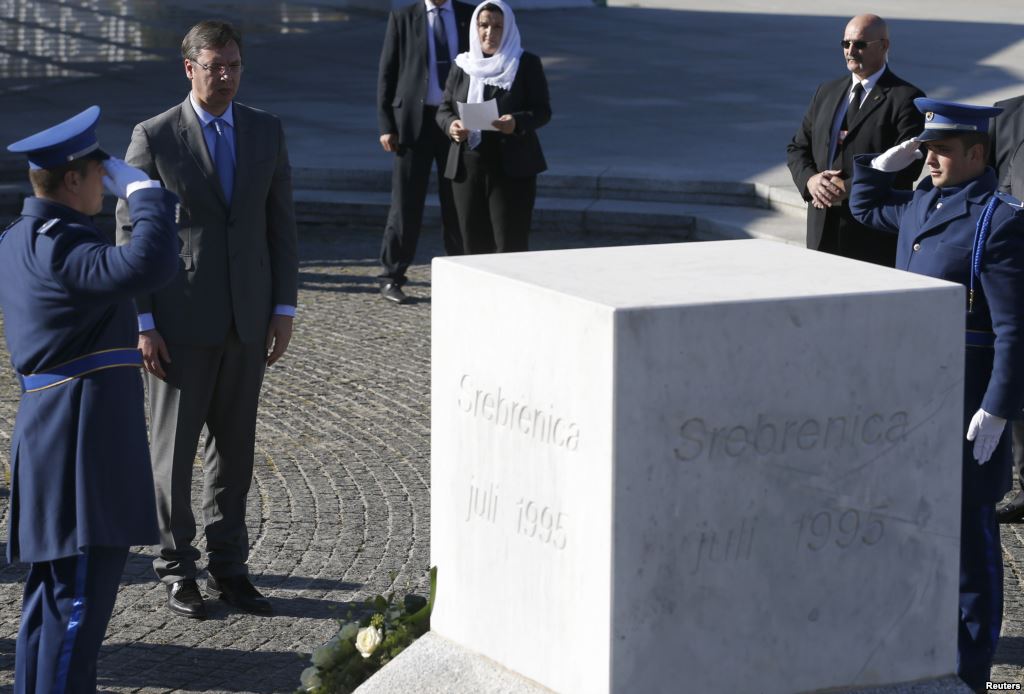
x=898 y=157
x=506 y=124
x=154 y=349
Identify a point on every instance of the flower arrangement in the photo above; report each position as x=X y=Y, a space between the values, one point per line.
x=363 y=646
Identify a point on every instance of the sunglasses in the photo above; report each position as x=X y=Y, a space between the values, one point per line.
x=859 y=45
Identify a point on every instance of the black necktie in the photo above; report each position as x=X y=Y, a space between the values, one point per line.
x=442 y=57
x=854 y=107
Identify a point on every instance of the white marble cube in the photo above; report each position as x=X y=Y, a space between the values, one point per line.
x=727 y=466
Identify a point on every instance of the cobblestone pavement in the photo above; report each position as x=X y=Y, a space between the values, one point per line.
x=340 y=500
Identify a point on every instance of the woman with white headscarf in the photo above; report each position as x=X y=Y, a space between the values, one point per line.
x=494 y=172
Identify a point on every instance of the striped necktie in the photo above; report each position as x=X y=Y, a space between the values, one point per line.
x=442 y=56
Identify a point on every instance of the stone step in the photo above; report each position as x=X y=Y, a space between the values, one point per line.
x=606 y=185
x=368 y=209
x=696 y=218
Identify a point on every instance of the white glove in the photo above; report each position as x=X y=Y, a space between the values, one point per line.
x=120 y=175
x=985 y=430
x=899 y=157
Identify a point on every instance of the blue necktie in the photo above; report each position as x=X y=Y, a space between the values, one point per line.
x=442 y=56
x=223 y=160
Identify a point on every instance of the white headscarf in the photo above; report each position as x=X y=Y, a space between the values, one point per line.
x=498 y=70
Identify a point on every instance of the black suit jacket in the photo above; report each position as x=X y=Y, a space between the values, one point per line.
x=886 y=118
x=1007 y=134
x=404 y=62
x=527 y=101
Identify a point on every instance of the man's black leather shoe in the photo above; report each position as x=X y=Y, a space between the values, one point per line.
x=393 y=292
x=238 y=591
x=1012 y=511
x=184 y=598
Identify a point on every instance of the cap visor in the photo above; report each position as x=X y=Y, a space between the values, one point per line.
x=931 y=135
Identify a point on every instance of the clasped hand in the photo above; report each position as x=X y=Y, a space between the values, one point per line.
x=827 y=188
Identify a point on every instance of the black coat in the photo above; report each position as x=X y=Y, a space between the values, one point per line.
x=886 y=118
x=404 y=61
x=527 y=101
x=1007 y=134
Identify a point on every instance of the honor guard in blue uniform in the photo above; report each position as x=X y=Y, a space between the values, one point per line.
x=957 y=227
x=81 y=486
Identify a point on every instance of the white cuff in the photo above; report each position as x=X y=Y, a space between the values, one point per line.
x=139 y=185
x=146 y=322
x=284 y=310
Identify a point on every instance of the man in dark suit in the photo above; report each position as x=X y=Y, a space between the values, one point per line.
x=207 y=338
x=1007 y=131
x=81 y=484
x=869 y=111
x=420 y=46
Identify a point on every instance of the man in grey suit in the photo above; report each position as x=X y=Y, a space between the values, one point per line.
x=208 y=336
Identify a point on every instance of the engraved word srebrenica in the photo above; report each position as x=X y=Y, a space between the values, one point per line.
x=776 y=436
x=539 y=424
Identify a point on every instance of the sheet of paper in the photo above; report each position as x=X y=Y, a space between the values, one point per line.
x=479 y=116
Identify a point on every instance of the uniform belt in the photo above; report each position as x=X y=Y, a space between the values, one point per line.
x=978 y=338
x=76 y=368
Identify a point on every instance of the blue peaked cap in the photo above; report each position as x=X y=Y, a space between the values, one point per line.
x=65 y=142
x=947 y=118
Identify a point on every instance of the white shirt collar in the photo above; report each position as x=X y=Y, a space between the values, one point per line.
x=870 y=81
x=206 y=118
x=431 y=6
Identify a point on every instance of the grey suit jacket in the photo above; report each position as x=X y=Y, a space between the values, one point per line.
x=237 y=262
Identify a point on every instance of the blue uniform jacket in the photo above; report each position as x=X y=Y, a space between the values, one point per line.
x=936 y=233
x=80 y=471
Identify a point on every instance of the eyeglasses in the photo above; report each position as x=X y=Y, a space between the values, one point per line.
x=219 y=69
x=859 y=45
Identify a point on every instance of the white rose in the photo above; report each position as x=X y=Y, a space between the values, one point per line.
x=367 y=640
x=348 y=631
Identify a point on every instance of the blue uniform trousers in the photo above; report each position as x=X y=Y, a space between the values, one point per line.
x=981 y=593
x=64 y=615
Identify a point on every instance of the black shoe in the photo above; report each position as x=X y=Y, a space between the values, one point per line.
x=184 y=598
x=1012 y=511
x=238 y=591
x=393 y=292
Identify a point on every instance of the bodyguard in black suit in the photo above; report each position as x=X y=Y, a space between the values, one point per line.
x=870 y=112
x=420 y=46
x=494 y=172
